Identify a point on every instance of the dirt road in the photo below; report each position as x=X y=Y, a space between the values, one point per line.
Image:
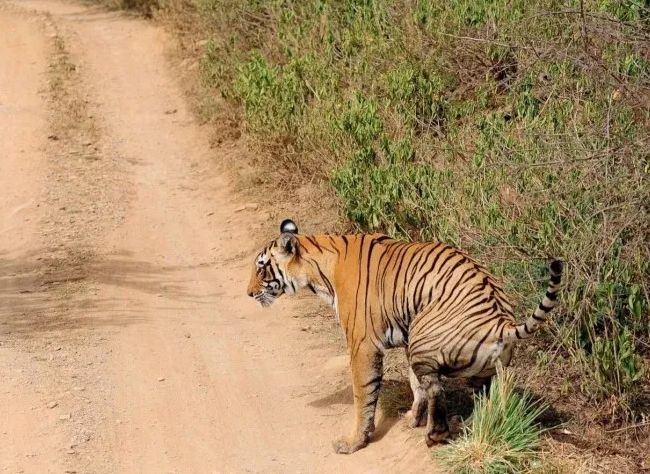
x=127 y=343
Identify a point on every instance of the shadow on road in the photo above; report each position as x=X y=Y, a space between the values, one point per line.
x=63 y=291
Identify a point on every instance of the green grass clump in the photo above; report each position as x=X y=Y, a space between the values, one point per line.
x=502 y=436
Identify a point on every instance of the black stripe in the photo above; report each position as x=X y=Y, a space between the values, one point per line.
x=373 y=381
x=334 y=245
x=330 y=288
x=374 y=390
x=421 y=283
x=478 y=347
x=368 y=301
x=356 y=296
x=442 y=297
x=313 y=242
x=432 y=268
x=395 y=247
x=546 y=309
x=556 y=279
x=469 y=317
x=537 y=318
x=370 y=402
x=396 y=274
x=444 y=262
x=435 y=260
x=409 y=274
x=551 y=295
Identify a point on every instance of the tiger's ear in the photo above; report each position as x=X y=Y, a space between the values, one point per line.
x=288 y=226
x=288 y=243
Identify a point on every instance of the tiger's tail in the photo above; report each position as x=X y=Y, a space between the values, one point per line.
x=525 y=330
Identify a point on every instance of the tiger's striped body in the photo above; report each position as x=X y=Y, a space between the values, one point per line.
x=447 y=310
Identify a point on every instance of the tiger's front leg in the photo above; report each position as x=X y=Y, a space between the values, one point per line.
x=367 y=368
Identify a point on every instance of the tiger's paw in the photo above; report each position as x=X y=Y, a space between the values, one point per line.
x=347 y=446
x=412 y=420
x=438 y=435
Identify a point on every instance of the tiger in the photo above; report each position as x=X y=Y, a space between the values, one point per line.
x=451 y=315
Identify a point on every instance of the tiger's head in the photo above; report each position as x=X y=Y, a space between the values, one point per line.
x=276 y=267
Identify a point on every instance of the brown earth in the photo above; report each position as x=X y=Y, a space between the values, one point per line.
x=127 y=343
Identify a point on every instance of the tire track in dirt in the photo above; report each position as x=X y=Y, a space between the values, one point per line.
x=187 y=374
x=23 y=122
x=54 y=210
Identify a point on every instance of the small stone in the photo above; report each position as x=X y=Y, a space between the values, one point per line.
x=170 y=111
x=249 y=206
x=211 y=213
x=161 y=379
x=71 y=451
x=53 y=405
x=187 y=335
x=305 y=328
x=65 y=417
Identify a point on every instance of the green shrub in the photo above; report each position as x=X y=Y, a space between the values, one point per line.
x=418 y=95
x=613 y=364
x=360 y=121
x=274 y=97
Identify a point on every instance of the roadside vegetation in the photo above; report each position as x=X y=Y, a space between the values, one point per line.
x=516 y=130
x=503 y=434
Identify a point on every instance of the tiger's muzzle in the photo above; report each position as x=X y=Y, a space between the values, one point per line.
x=269 y=292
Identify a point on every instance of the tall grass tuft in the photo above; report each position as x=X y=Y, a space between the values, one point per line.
x=503 y=435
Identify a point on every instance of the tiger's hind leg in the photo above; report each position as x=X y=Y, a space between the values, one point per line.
x=416 y=414
x=437 y=427
x=436 y=411
x=426 y=360
x=481 y=384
